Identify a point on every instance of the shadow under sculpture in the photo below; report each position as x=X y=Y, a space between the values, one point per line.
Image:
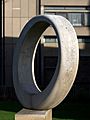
x=25 y=85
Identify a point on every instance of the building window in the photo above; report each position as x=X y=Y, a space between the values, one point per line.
x=83 y=39
x=62 y=14
x=87 y=19
x=78 y=16
x=76 y=19
x=50 y=39
x=46 y=8
x=49 y=13
x=53 y=39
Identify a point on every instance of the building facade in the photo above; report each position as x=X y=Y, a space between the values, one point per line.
x=16 y=13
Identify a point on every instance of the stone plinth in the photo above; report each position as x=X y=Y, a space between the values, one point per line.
x=26 y=114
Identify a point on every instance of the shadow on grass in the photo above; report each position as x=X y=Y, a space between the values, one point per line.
x=72 y=111
x=10 y=106
x=65 y=111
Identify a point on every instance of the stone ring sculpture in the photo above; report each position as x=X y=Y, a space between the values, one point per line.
x=25 y=84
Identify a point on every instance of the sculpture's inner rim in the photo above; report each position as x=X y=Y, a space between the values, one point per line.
x=33 y=68
x=30 y=44
x=33 y=63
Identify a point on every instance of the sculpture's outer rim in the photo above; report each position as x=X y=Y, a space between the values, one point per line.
x=58 y=88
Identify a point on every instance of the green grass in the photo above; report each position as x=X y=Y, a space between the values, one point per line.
x=8 y=109
x=65 y=111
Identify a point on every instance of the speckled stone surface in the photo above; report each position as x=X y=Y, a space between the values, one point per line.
x=24 y=81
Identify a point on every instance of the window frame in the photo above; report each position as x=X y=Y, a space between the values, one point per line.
x=70 y=9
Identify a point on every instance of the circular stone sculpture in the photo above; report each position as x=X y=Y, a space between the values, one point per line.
x=25 y=84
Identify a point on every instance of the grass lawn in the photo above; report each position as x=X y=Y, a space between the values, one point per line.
x=8 y=109
x=65 y=111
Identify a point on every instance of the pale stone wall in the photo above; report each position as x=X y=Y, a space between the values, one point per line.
x=65 y=2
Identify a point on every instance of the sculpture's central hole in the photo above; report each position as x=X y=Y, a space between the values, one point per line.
x=46 y=59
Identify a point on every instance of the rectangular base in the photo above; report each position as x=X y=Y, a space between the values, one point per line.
x=26 y=114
